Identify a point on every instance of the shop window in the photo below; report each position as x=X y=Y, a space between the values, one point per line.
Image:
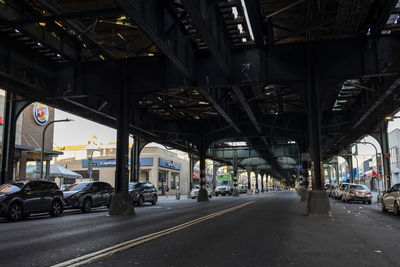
x=175 y=183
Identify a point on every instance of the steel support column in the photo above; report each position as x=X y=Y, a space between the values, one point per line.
x=337 y=171
x=192 y=162
x=9 y=129
x=215 y=170
x=256 y=172
x=317 y=202
x=132 y=161
x=203 y=195
x=248 y=179
x=121 y=203
x=235 y=174
x=351 y=169
x=384 y=142
x=314 y=123
x=262 y=182
x=305 y=168
x=136 y=157
x=12 y=109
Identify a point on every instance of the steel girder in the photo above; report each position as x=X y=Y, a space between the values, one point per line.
x=39 y=34
x=36 y=78
x=337 y=60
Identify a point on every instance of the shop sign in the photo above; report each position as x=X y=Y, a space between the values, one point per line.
x=40 y=113
x=113 y=162
x=170 y=164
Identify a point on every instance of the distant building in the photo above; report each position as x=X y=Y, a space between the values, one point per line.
x=394 y=145
x=28 y=140
x=157 y=165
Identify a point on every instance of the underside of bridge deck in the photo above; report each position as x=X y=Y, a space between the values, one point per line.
x=283 y=77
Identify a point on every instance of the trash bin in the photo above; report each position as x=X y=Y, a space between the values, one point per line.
x=178 y=195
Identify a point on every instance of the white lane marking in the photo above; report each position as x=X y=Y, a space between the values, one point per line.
x=107 y=252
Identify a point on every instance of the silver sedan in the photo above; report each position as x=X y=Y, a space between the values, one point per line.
x=195 y=191
x=391 y=200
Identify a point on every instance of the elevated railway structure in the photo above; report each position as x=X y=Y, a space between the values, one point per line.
x=317 y=74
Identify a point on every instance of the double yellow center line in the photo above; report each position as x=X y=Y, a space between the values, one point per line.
x=107 y=252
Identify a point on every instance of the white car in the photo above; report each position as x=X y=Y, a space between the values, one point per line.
x=195 y=191
x=342 y=188
x=224 y=189
x=391 y=200
x=357 y=192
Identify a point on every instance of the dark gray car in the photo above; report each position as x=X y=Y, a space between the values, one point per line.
x=143 y=192
x=20 y=199
x=85 y=195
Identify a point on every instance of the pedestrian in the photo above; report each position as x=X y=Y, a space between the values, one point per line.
x=166 y=190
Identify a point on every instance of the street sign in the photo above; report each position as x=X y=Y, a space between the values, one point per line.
x=92 y=164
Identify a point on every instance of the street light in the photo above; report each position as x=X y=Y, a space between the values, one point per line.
x=377 y=170
x=43 y=135
x=90 y=167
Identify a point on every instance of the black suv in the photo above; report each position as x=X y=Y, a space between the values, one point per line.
x=143 y=192
x=19 y=199
x=85 y=195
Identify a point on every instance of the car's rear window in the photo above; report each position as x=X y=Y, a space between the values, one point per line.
x=9 y=188
x=359 y=187
x=134 y=186
x=77 y=187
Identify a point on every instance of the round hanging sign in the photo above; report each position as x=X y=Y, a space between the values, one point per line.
x=40 y=113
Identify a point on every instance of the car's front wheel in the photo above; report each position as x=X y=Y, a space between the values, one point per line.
x=109 y=203
x=396 y=209
x=56 y=208
x=87 y=205
x=154 y=200
x=15 y=212
x=383 y=207
x=140 y=201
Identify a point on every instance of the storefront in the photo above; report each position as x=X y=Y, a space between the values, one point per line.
x=159 y=166
x=168 y=175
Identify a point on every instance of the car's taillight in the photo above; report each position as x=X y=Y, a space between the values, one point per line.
x=368 y=193
x=351 y=192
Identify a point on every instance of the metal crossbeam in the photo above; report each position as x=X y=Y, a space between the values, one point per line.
x=144 y=13
x=40 y=34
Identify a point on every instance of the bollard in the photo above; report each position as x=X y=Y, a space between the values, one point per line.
x=178 y=195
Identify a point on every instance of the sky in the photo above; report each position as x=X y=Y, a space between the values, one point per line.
x=79 y=131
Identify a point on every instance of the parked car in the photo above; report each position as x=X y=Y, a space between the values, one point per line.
x=143 y=192
x=332 y=190
x=357 y=192
x=341 y=189
x=391 y=200
x=20 y=199
x=85 y=195
x=195 y=191
x=242 y=189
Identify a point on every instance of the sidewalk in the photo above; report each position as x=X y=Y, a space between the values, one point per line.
x=171 y=197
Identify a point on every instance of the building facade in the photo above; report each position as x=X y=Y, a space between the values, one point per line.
x=394 y=145
x=28 y=141
x=157 y=165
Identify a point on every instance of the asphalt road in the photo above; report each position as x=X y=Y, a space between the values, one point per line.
x=269 y=229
